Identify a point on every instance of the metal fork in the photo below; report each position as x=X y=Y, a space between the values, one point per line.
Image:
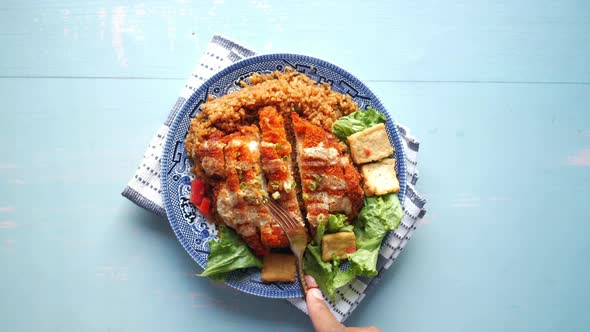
x=295 y=232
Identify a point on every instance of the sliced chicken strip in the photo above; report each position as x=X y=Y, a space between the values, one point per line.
x=330 y=183
x=278 y=168
x=210 y=156
x=239 y=199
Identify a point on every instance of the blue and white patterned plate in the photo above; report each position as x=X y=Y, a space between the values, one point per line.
x=190 y=227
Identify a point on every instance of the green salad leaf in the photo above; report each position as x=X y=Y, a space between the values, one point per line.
x=328 y=275
x=320 y=231
x=315 y=266
x=227 y=254
x=357 y=121
x=379 y=215
x=336 y=222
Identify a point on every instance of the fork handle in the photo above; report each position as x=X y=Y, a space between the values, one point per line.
x=302 y=282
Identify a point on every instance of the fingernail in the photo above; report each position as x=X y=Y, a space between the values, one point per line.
x=310 y=281
x=315 y=292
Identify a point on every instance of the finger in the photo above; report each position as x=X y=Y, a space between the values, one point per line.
x=363 y=329
x=322 y=318
x=310 y=282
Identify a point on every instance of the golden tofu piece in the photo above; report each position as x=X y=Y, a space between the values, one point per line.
x=380 y=178
x=339 y=244
x=278 y=267
x=370 y=144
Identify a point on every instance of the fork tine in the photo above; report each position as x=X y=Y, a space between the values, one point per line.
x=288 y=216
x=276 y=211
x=276 y=214
x=282 y=215
x=294 y=231
x=282 y=219
x=285 y=219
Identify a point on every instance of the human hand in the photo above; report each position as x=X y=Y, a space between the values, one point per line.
x=322 y=318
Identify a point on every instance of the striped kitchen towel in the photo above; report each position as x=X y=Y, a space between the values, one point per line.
x=144 y=188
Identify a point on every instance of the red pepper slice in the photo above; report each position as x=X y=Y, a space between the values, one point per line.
x=205 y=206
x=350 y=250
x=197 y=192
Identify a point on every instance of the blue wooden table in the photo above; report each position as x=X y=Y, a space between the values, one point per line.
x=497 y=92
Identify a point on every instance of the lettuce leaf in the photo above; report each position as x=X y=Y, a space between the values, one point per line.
x=336 y=222
x=319 y=233
x=227 y=254
x=357 y=121
x=379 y=215
x=347 y=228
x=328 y=275
x=320 y=270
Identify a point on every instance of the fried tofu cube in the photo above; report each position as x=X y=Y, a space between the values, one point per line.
x=370 y=144
x=278 y=267
x=338 y=244
x=380 y=178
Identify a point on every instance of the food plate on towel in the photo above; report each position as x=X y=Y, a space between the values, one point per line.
x=192 y=230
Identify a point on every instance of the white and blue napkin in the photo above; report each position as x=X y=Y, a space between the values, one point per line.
x=144 y=188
